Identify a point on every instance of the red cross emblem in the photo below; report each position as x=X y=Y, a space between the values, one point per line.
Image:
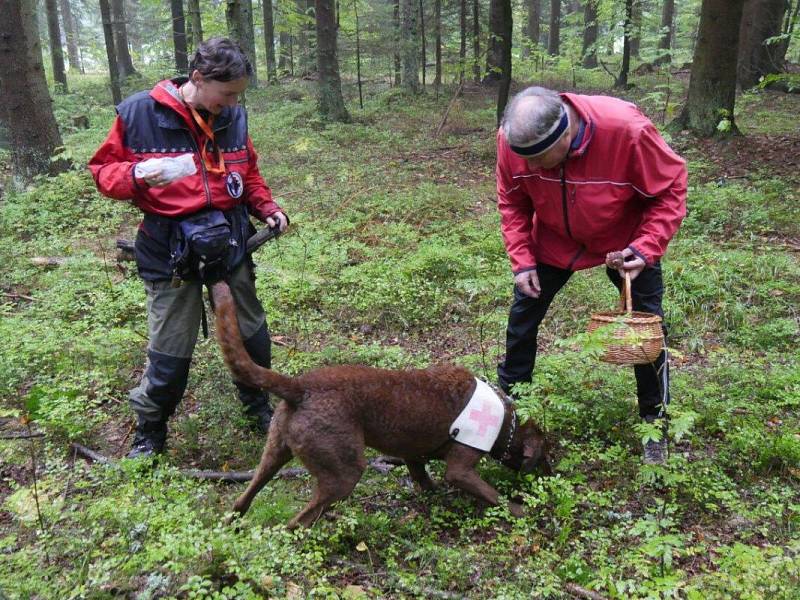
x=484 y=418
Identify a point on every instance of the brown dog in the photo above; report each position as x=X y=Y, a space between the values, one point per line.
x=330 y=415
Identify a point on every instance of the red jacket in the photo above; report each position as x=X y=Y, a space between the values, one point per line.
x=622 y=187
x=156 y=124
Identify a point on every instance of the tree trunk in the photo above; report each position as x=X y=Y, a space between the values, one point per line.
x=124 y=62
x=284 y=39
x=239 y=18
x=667 y=33
x=554 y=41
x=712 y=84
x=306 y=62
x=269 y=40
x=636 y=27
x=494 y=54
x=437 y=26
x=533 y=26
x=196 y=21
x=397 y=43
x=179 y=37
x=248 y=41
x=331 y=103
x=788 y=29
x=476 y=41
x=410 y=45
x=71 y=33
x=590 y=35
x=622 y=78
x=26 y=110
x=358 y=54
x=424 y=56
x=505 y=79
x=56 y=52
x=761 y=19
x=111 y=51
x=462 y=49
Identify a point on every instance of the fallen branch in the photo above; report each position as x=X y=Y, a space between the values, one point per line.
x=449 y=107
x=18 y=296
x=90 y=454
x=21 y=435
x=580 y=592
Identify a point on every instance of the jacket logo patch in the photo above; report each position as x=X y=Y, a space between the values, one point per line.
x=234 y=184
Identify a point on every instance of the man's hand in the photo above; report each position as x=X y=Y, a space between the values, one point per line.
x=278 y=219
x=528 y=283
x=625 y=260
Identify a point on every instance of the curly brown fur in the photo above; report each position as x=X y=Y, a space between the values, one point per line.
x=331 y=414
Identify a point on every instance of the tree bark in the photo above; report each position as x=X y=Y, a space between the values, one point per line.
x=667 y=33
x=196 y=20
x=424 y=57
x=476 y=41
x=111 y=52
x=636 y=27
x=239 y=18
x=124 y=61
x=248 y=41
x=505 y=78
x=26 y=110
x=533 y=26
x=179 y=36
x=589 y=51
x=56 y=52
x=622 y=78
x=409 y=46
x=761 y=19
x=497 y=31
x=554 y=42
x=462 y=49
x=331 y=103
x=397 y=42
x=437 y=27
x=712 y=83
x=269 y=41
x=788 y=29
x=71 y=33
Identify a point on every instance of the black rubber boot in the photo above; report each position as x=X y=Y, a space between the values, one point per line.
x=150 y=439
x=256 y=408
x=256 y=402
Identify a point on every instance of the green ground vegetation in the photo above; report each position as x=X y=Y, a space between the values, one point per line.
x=395 y=260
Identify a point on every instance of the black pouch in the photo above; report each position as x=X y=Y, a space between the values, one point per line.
x=203 y=243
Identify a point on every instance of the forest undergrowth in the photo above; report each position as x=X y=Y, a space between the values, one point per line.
x=395 y=259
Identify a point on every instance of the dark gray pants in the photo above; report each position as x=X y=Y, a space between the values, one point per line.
x=527 y=313
x=173 y=322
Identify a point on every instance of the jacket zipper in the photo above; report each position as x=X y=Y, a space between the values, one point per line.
x=564 y=201
x=202 y=168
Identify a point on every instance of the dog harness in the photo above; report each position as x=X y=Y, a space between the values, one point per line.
x=479 y=424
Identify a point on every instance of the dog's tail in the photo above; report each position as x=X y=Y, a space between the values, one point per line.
x=236 y=356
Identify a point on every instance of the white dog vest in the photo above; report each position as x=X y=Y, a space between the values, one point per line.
x=479 y=423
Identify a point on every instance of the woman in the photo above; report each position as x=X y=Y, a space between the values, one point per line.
x=205 y=202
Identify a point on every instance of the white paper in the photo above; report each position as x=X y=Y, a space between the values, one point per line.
x=172 y=168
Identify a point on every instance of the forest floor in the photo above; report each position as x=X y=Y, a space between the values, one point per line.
x=395 y=260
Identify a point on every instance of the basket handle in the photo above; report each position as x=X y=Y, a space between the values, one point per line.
x=625 y=301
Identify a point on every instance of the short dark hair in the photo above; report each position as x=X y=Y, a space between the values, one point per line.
x=220 y=59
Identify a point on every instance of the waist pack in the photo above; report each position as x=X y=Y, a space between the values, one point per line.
x=204 y=242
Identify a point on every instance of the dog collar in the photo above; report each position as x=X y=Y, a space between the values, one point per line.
x=506 y=455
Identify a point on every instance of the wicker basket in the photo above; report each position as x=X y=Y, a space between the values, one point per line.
x=637 y=338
